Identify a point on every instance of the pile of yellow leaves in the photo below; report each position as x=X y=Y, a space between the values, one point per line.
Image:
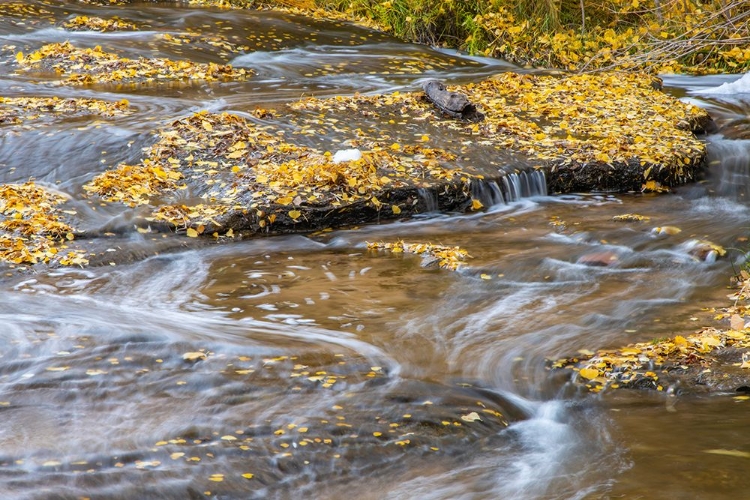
x=197 y=39
x=236 y=164
x=192 y=218
x=15 y=110
x=447 y=257
x=610 y=118
x=663 y=37
x=87 y=66
x=86 y=23
x=641 y=362
x=31 y=228
x=133 y=184
x=25 y=11
x=631 y=218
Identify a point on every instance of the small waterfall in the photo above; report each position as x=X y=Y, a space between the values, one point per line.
x=729 y=162
x=514 y=186
x=525 y=184
x=429 y=198
x=488 y=192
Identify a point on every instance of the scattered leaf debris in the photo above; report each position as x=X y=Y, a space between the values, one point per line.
x=630 y=218
x=235 y=165
x=93 y=23
x=642 y=364
x=16 y=110
x=89 y=66
x=32 y=229
x=612 y=120
x=451 y=258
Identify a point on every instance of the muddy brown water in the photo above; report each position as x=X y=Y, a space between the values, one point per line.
x=334 y=372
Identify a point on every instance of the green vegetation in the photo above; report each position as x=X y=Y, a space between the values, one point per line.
x=685 y=36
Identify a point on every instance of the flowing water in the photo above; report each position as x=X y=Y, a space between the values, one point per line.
x=331 y=371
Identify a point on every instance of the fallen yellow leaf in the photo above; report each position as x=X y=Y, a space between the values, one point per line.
x=589 y=373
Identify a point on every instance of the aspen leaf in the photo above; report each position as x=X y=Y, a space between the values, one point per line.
x=191 y=233
x=589 y=373
x=471 y=417
x=294 y=214
x=736 y=322
x=194 y=356
x=476 y=204
x=207 y=125
x=670 y=230
x=396 y=209
x=248 y=475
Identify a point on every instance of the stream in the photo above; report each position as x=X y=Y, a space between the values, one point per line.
x=321 y=369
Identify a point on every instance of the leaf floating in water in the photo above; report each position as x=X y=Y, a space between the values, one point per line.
x=630 y=218
x=729 y=453
x=248 y=475
x=485 y=276
x=447 y=257
x=670 y=230
x=471 y=417
x=194 y=356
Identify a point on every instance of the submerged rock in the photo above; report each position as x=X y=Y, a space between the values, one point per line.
x=599 y=259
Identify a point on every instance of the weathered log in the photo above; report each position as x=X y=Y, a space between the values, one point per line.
x=451 y=103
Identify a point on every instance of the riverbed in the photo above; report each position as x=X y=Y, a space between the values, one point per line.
x=306 y=366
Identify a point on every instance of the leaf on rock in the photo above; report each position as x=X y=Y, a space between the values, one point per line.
x=589 y=373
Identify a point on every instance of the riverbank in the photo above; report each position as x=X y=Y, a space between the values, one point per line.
x=658 y=37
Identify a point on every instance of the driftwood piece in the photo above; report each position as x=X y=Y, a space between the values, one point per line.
x=451 y=103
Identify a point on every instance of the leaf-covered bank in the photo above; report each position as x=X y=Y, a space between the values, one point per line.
x=658 y=36
x=261 y=179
